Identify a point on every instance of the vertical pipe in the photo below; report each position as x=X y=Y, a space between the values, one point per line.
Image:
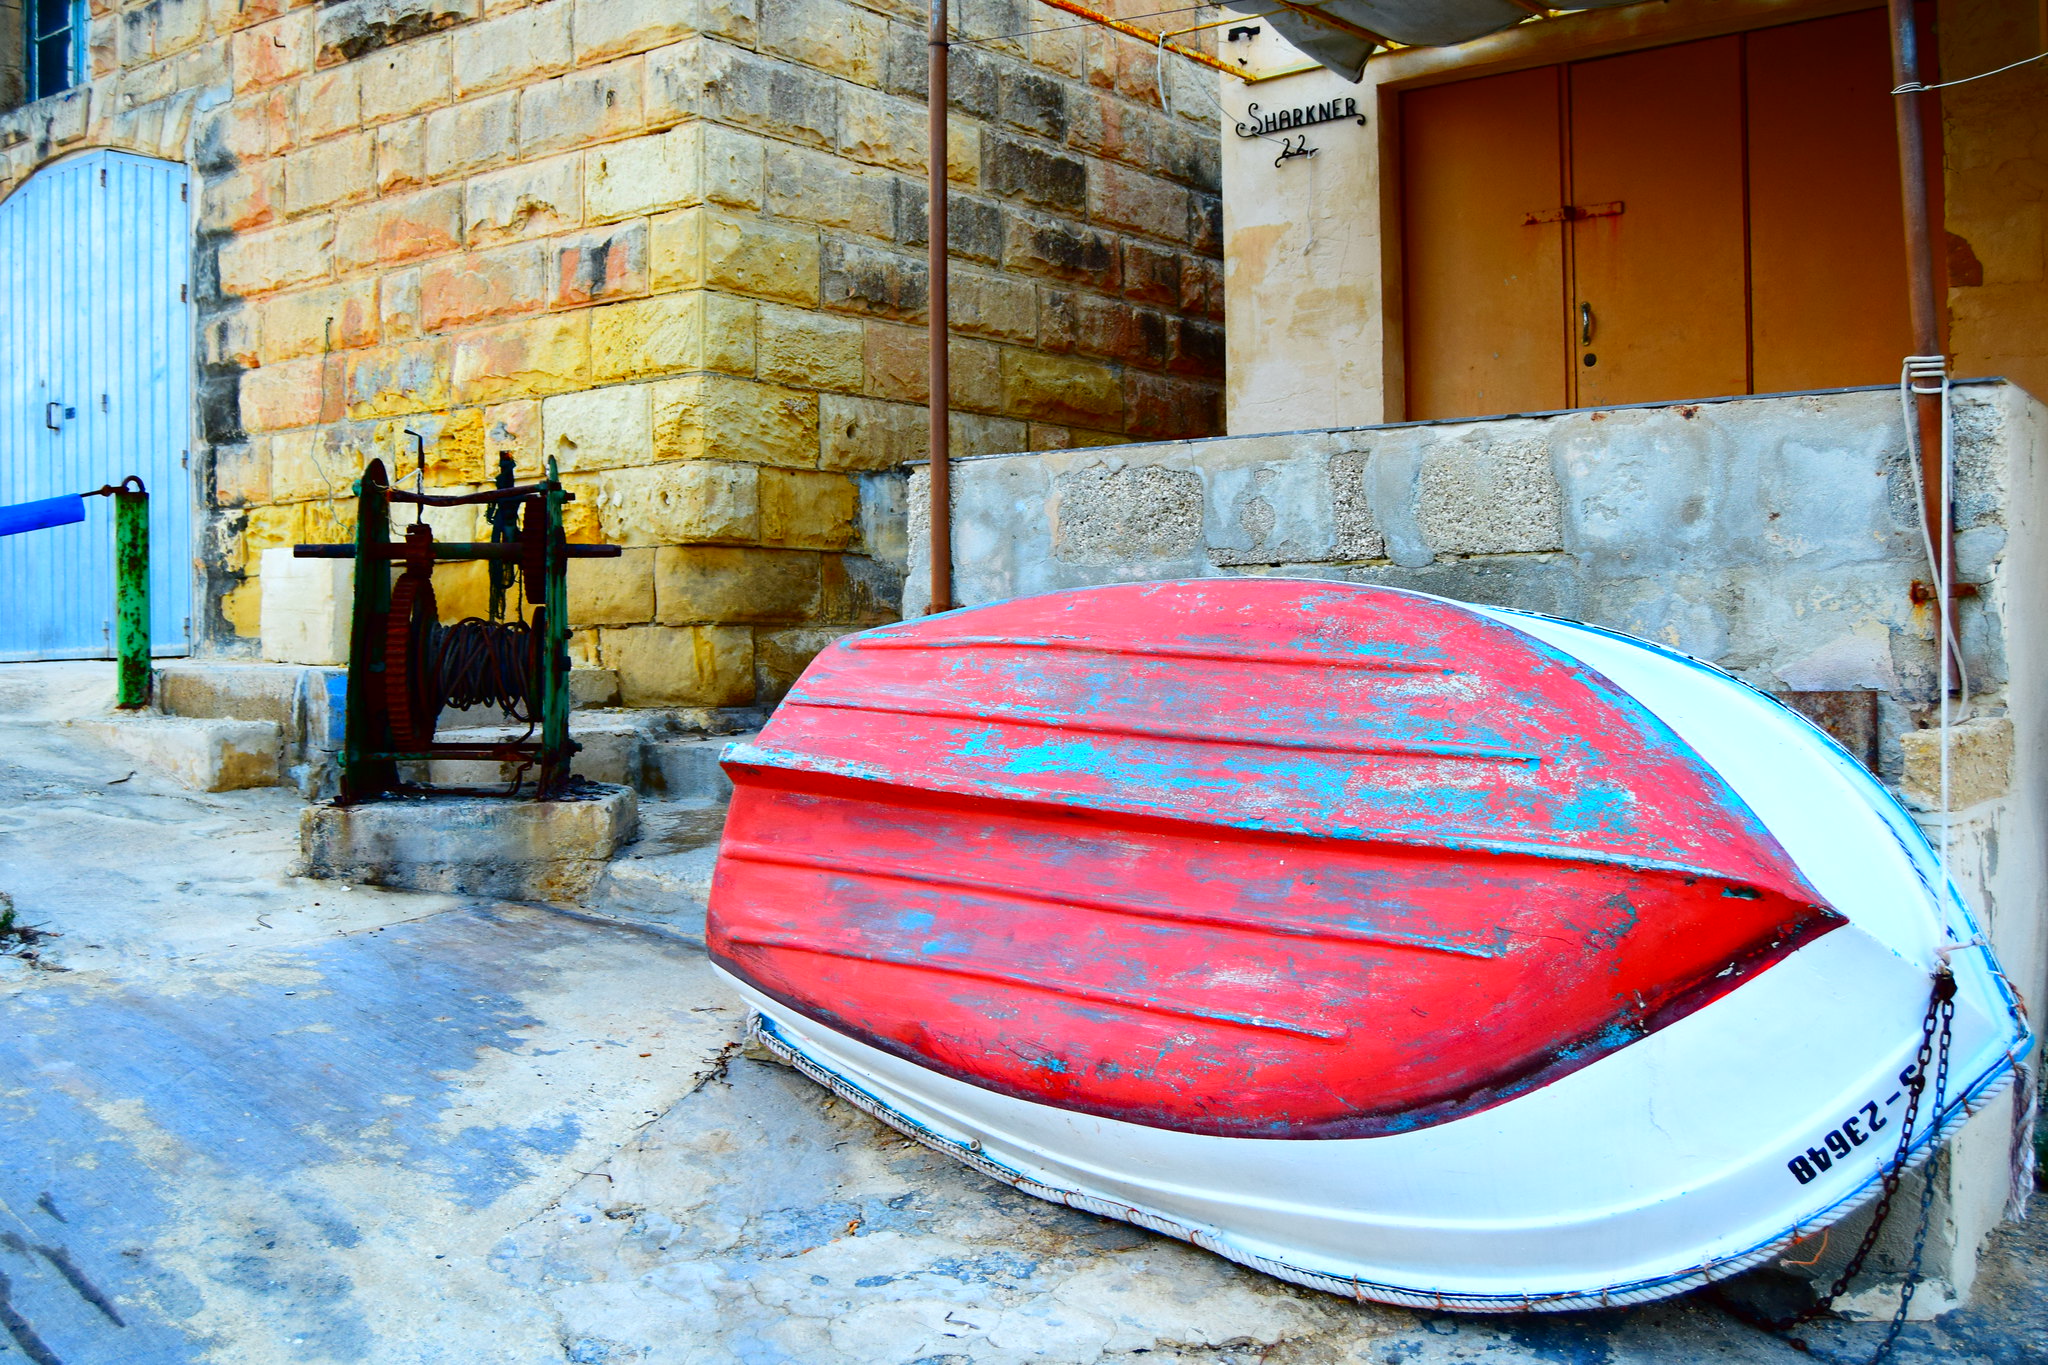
x=941 y=482
x=1910 y=109
x=131 y=596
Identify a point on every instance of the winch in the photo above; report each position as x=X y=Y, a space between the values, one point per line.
x=405 y=666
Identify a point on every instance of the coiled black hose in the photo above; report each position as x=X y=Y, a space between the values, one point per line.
x=474 y=662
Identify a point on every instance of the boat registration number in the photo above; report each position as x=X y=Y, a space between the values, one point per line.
x=1846 y=1136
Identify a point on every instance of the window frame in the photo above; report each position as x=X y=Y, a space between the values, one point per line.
x=72 y=32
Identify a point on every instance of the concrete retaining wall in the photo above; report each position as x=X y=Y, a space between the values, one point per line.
x=1776 y=537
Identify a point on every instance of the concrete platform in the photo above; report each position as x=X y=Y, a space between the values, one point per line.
x=205 y=755
x=513 y=848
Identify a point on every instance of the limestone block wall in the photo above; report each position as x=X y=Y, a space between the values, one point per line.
x=678 y=247
x=1775 y=537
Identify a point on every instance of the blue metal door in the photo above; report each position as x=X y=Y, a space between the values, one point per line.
x=95 y=384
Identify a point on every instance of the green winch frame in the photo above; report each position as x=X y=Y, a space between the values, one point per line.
x=397 y=669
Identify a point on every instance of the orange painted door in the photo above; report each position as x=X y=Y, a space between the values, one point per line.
x=1828 y=248
x=1483 y=287
x=1660 y=288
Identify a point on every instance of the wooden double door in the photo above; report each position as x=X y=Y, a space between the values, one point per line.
x=1711 y=218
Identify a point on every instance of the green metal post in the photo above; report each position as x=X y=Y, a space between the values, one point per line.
x=360 y=776
x=131 y=596
x=554 y=730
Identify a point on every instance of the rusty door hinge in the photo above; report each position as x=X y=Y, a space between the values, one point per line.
x=1572 y=213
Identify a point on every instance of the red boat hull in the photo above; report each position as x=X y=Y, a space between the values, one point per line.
x=1241 y=857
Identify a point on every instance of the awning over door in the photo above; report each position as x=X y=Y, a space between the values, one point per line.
x=1341 y=34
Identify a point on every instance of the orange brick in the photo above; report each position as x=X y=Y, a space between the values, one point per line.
x=272 y=52
x=242 y=200
x=402 y=229
x=284 y=395
x=276 y=258
x=470 y=288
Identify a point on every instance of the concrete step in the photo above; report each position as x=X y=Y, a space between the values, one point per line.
x=663 y=882
x=205 y=755
x=685 y=769
x=646 y=749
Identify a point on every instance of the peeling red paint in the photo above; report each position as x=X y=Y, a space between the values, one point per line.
x=1245 y=857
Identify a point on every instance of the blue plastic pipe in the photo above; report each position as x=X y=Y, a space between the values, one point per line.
x=36 y=516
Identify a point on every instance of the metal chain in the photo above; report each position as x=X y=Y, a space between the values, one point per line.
x=1947 y=1003
x=1936 y=1028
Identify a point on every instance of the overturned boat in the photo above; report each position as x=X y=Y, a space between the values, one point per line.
x=1410 y=950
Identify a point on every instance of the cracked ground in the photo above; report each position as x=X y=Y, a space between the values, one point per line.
x=247 y=1117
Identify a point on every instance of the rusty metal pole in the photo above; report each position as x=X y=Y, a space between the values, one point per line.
x=1910 y=108
x=941 y=482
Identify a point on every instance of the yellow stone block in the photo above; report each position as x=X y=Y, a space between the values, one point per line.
x=644 y=174
x=462 y=590
x=808 y=508
x=265 y=529
x=681 y=665
x=606 y=428
x=815 y=350
x=647 y=337
x=455 y=446
x=781 y=656
x=310 y=321
x=1058 y=388
x=729 y=334
x=582 y=517
x=284 y=395
x=734 y=584
x=867 y=433
x=512 y=429
x=306 y=464
x=612 y=592
x=1980 y=763
x=680 y=502
x=715 y=416
x=243 y=607
x=702 y=248
x=523 y=359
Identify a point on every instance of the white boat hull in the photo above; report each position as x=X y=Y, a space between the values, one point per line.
x=1685 y=1156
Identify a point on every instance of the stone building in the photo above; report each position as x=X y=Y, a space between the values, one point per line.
x=675 y=245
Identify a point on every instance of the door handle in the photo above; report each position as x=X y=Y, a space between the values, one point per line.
x=51 y=418
x=1585 y=324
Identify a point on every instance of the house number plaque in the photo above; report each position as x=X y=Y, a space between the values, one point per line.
x=1282 y=121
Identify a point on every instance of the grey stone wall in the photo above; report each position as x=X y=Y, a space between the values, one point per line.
x=1775 y=537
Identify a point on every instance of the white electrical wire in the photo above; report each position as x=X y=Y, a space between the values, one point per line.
x=1928 y=375
x=1915 y=88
